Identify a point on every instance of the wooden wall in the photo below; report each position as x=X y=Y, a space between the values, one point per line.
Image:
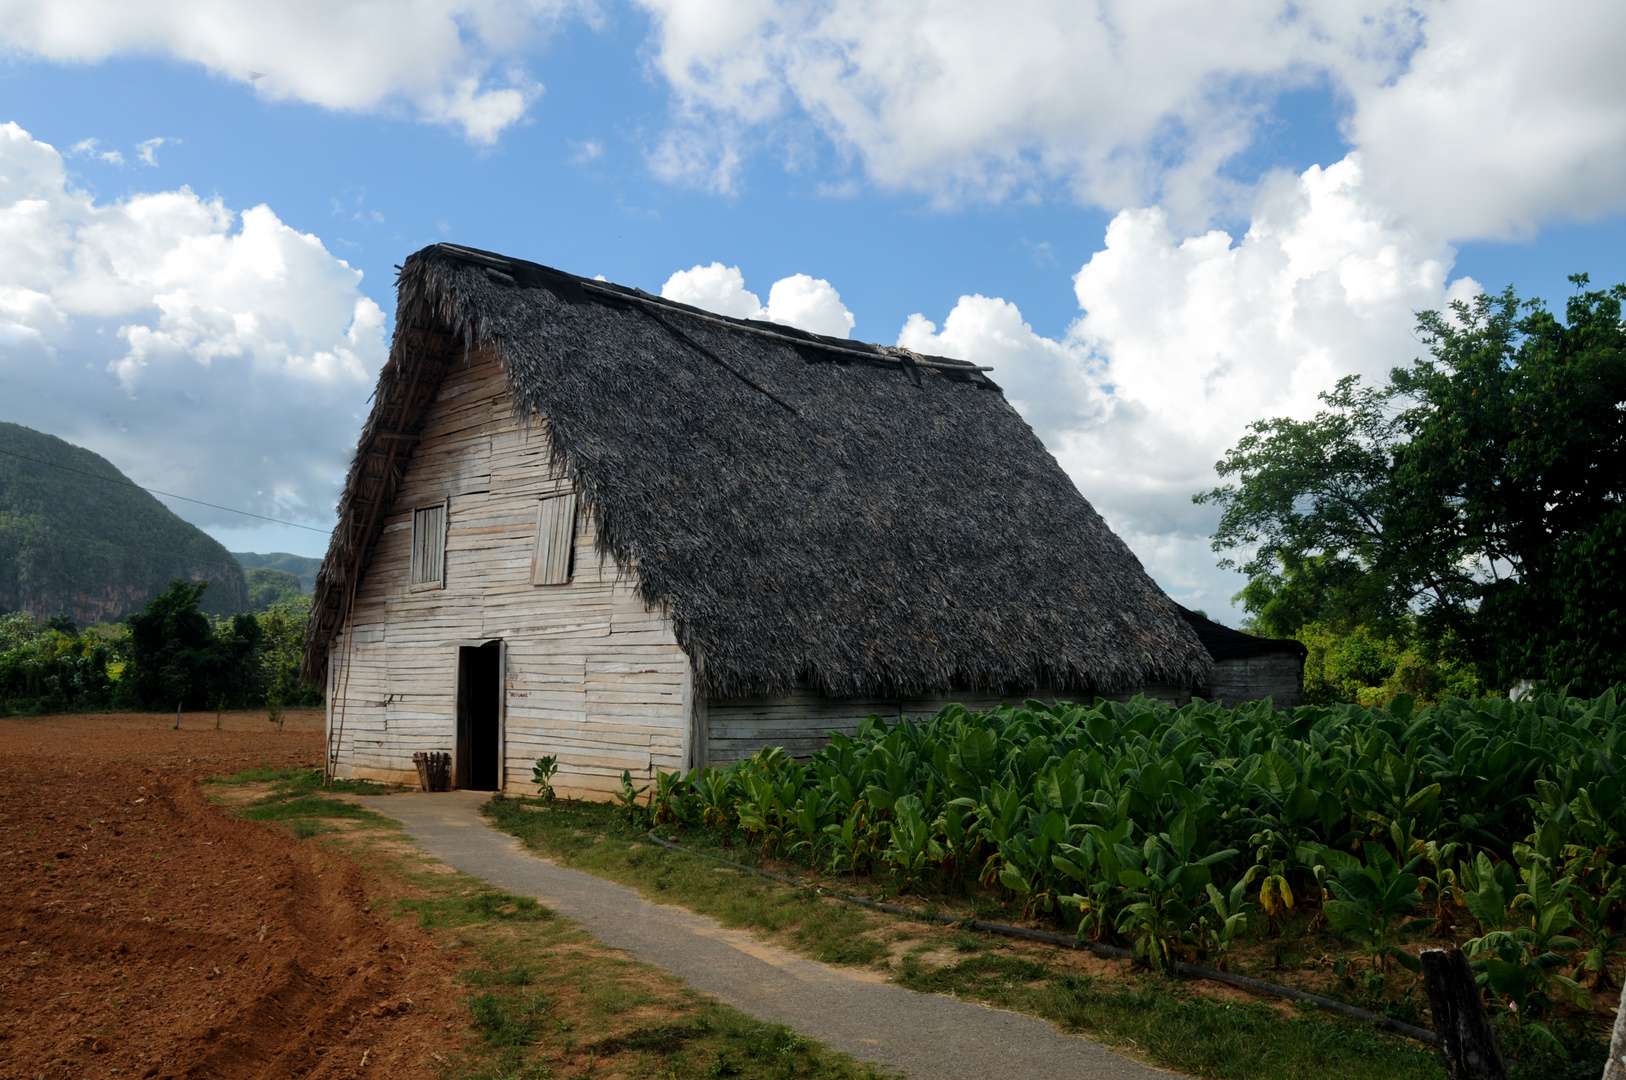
x=739 y=727
x=1278 y=676
x=590 y=675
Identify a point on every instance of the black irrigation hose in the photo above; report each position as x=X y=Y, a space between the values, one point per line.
x=1420 y=1034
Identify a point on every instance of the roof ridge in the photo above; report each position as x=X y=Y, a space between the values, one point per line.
x=884 y=354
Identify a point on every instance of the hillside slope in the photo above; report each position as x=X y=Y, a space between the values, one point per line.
x=95 y=550
x=267 y=586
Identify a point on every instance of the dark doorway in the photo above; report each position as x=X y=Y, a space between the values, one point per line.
x=479 y=690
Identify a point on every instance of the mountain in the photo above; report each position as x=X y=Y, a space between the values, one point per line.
x=302 y=567
x=267 y=586
x=77 y=538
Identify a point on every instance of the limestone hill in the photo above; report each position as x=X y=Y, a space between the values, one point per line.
x=78 y=539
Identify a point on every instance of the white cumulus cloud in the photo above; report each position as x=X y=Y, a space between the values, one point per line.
x=1483 y=117
x=716 y=288
x=1184 y=340
x=805 y=302
x=454 y=62
x=1055 y=385
x=1512 y=114
x=811 y=304
x=1119 y=102
x=218 y=355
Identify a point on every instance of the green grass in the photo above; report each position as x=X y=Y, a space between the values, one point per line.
x=1246 y=1041
x=1157 y=1017
x=300 y=781
x=299 y=800
x=589 y=837
x=543 y=999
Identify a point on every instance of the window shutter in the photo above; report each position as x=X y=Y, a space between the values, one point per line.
x=429 y=545
x=555 y=536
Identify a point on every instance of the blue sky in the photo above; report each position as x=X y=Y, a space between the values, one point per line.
x=947 y=176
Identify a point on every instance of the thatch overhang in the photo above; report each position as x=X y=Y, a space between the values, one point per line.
x=810 y=511
x=1224 y=643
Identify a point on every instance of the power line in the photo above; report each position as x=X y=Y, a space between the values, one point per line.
x=165 y=494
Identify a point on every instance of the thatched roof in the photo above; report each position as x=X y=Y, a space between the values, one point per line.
x=1224 y=643
x=809 y=510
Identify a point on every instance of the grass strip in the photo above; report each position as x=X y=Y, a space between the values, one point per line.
x=1158 y=1017
x=1063 y=941
x=541 y=998
x=589 y=837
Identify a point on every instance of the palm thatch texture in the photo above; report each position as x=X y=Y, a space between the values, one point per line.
x=809 y=511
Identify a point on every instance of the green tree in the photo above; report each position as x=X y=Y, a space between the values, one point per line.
x=44 y=668
x=177 y=656
x=1473 y=504
x=282 y=641
x=1311 y=509
x=1510 y=488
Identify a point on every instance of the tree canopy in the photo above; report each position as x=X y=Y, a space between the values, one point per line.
x=177 y=657
x=1477 y=501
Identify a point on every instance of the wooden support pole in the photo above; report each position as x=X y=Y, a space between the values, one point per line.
x=1615 y=1068
x=1468 y=1047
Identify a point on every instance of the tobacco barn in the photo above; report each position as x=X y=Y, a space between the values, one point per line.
x=586 y=521
x=1248 y=667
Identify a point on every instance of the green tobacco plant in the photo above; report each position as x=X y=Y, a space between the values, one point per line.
x=626 y=799
x=1028 y=866
x=715 y=792
x=957 y=828
x=1093 y=865
x=1371 y=901
x=1522 y=941
x=1123 y=820
x=912 y=851
x=765 y=809
x=852 y=842
x=808 y=820
x=1443 y=882
x=1166 y=883
x=542 y=775
x=1221 y=922
x=669 y=802
x=1598 y=934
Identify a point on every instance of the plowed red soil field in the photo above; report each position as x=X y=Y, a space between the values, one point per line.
x=144 y=932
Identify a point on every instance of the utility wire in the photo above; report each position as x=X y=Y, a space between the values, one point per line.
x=165 y=494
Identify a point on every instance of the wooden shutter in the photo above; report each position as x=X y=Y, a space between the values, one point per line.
x=555 y=536
x=429 y=545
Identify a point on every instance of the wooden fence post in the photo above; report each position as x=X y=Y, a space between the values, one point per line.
x=1615 y=1068
x=1468 y=1047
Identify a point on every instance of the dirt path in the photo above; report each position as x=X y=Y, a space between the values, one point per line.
x=146 y=933
x=925 y=1035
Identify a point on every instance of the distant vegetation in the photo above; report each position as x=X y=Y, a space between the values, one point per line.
x=78 y=539
x=171 y=653
x=302 y=567
x=1462 y=527
x=267 y=587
